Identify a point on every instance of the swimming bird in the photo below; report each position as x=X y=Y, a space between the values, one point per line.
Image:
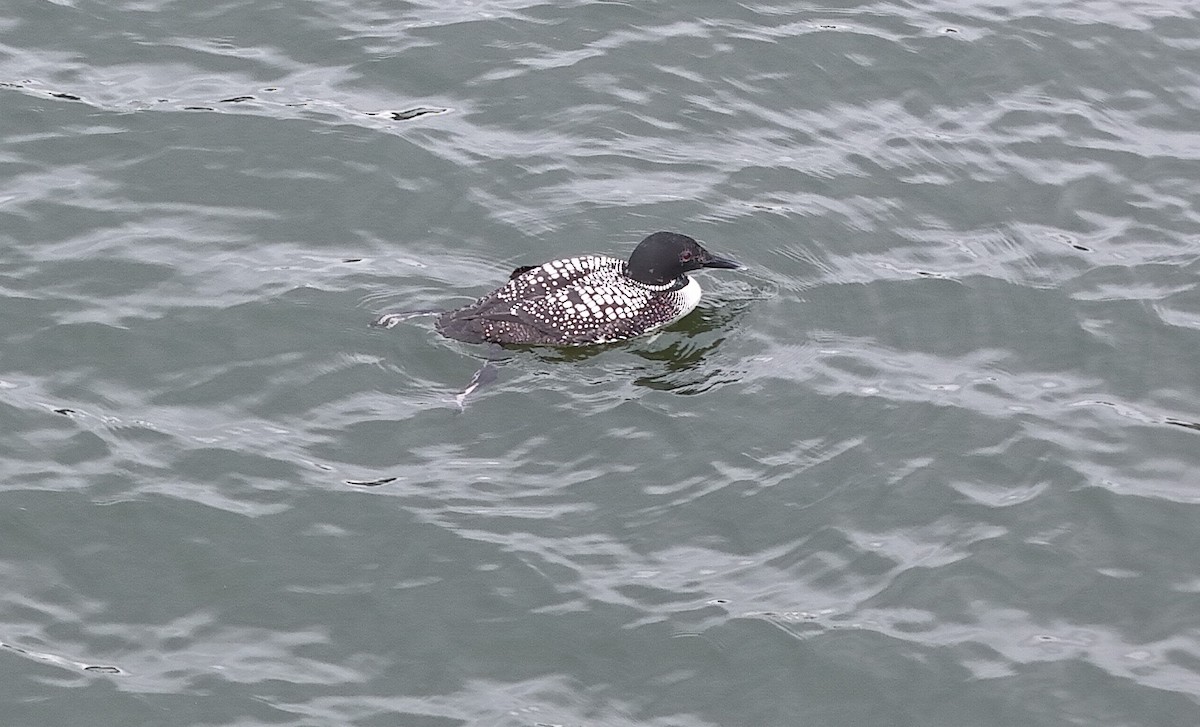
x=586 y=300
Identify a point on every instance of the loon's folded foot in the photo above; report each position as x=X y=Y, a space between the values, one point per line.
x=486 y=374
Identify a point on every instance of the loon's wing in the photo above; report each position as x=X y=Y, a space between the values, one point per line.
x=576 y=301
x=595 y=313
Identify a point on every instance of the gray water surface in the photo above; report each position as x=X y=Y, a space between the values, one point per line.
x=931 y=459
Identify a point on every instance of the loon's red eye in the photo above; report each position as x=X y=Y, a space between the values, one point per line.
x=685 y=256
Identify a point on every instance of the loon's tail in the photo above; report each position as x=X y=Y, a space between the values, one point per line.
x=390 y=320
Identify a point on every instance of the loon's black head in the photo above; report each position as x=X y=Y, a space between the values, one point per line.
x=666 y=256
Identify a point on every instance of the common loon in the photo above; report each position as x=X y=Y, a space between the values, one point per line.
x=588 y=299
